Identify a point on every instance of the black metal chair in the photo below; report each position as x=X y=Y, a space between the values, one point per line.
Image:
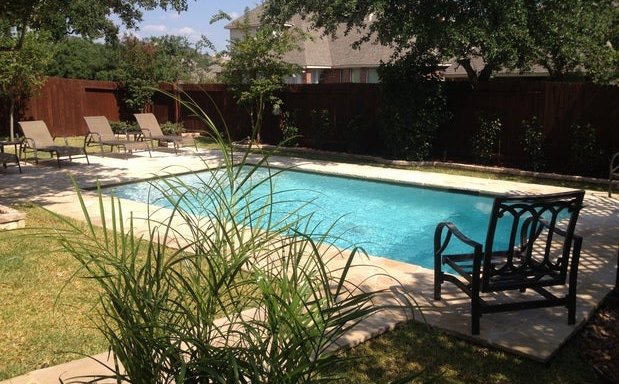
x=528 y=246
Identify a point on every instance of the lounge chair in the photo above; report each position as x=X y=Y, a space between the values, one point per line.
x=613 y=173
x=100 y=133
x=151 y=131
x=38 y=139
x=528 y=246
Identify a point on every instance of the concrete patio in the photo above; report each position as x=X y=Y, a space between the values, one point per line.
x=536 y=334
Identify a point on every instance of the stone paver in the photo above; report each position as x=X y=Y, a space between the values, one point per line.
x=536 y=334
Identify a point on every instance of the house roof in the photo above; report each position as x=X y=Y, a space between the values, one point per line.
x=252 y=16
x=321 y=51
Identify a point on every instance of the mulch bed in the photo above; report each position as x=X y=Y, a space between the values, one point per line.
x=599 y=340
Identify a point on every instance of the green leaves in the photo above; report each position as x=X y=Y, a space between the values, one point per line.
x=413 y=106
x=22 y=70
x=22 y=67
x=576 y=37
x=482 y=35
x=89 y=18
x=218 y=289
x=486 y=142
x=256 y=70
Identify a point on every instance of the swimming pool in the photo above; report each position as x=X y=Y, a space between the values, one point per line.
x=391 y=220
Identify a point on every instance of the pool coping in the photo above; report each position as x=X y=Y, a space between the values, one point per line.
x=451 y=314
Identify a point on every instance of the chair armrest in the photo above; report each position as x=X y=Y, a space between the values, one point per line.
x=144 y=131
x=92 y=136
x=29 y=143
x=441 y=244
x=614 y=164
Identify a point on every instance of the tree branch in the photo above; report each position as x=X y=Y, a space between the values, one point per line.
x=470 y=71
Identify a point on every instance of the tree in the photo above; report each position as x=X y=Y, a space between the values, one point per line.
x=26 y=26
x=21 y=72
x=138 y=72
x=80 y=58
x=178 y=59
x=146 y=63
x=576 y=37
x=256 y=70
x=138 y=64
x=502 y=33
x=88 y=18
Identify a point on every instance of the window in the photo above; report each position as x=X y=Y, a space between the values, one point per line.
x=373 y=76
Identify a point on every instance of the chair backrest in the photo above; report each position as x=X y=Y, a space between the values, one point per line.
x=37 y=131
x=101 y=126
x=148 y=123
x=523 y=248
x=614 y=165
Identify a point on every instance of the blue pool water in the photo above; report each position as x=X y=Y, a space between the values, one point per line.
x=389 y=220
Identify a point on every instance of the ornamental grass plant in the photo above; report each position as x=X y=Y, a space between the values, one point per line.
x=223 y=289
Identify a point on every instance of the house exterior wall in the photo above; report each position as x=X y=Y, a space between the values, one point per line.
x=330 y=76
x=349 y=75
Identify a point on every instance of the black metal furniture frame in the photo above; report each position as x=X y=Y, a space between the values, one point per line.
x=528 y=246
x=6 y=157
x=613 y=173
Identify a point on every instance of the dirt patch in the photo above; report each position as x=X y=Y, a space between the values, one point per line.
x=599 y=340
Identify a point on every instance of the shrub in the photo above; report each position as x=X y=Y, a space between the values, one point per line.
x=290 y=131
x=321 y=121
x=358 y=129
x=533 y=144
x=121 y=127
x=413 y=107
x=242 y=297
x=170 y=128
x=585 y=152
x=486 y=143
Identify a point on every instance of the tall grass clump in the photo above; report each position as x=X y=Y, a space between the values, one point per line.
x=224 y=288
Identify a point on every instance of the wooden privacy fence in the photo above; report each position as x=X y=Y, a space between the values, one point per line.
x=345 y=117
x=557 y=106
x=63 y=103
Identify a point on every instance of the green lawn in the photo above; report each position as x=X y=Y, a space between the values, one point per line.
x=46 y=314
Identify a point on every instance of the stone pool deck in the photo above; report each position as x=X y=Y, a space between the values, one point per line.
x=536 y=334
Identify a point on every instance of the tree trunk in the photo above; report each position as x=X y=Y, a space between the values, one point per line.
x=11 y=118
x=485 y=73
x=470 y=71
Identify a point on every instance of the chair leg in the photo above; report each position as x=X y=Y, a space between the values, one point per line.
x=571 y=306
x=438 y=277
x=475 y=315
